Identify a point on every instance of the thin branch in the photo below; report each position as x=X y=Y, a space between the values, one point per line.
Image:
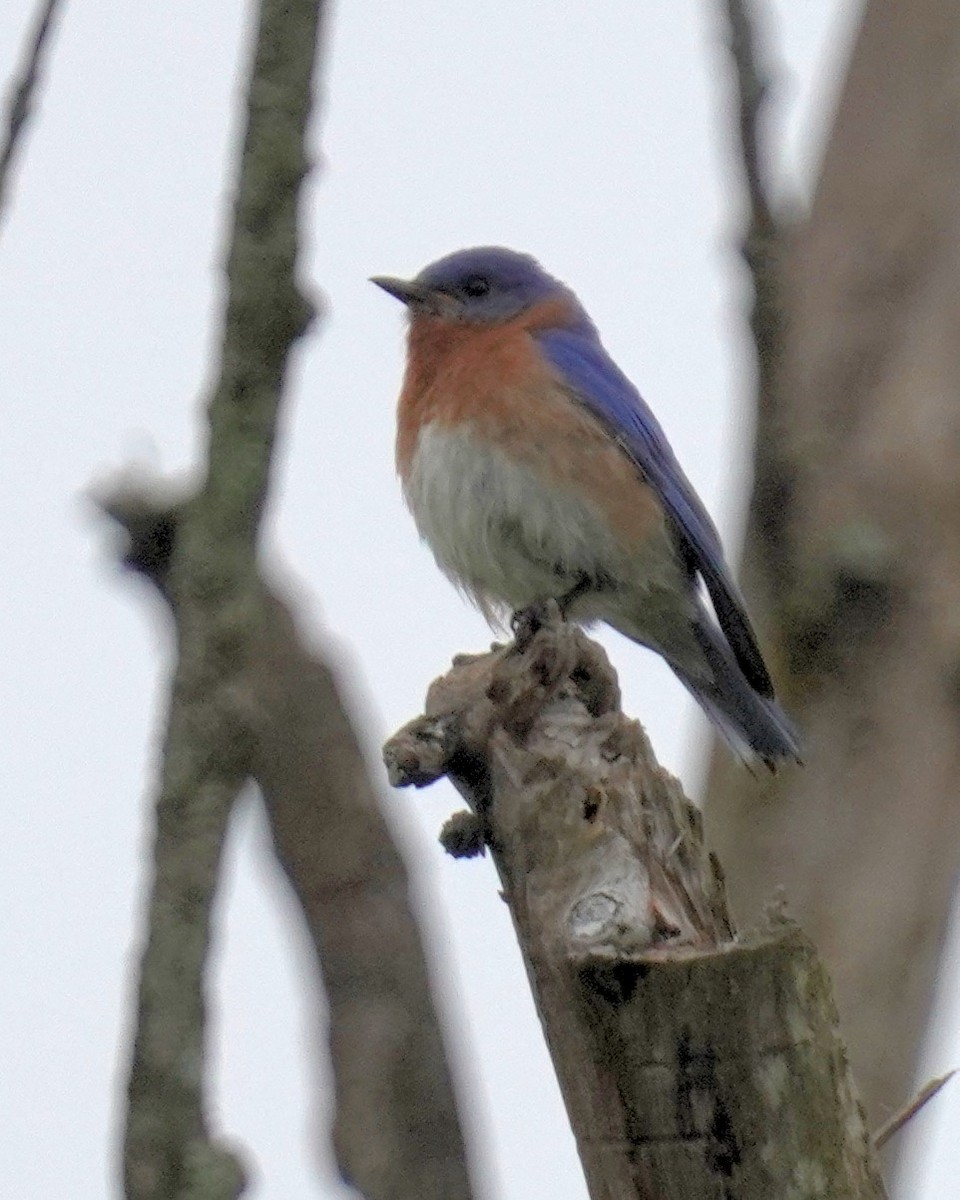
x=214 y=590
x=753 y=88
x=898 y=1120
x=22 y=95
x=763 y=248
x=396 y=1132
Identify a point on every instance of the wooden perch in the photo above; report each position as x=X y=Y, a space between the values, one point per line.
x=694 y=1063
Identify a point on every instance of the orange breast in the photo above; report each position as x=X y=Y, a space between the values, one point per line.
x=493 y=379
x=454 y=370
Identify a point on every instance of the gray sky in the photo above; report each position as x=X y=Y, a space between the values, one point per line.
x=598 y=137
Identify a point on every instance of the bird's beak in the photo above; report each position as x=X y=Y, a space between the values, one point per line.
x=415 y=295
x=407 y=291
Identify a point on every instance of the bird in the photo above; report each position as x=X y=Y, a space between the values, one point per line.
x=535 y=471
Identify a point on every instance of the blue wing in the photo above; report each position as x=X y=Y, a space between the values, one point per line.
x=602 y=387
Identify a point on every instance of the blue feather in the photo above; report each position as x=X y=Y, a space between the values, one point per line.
x=598 y=383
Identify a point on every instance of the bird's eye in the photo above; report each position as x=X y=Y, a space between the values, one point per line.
x=476 y=286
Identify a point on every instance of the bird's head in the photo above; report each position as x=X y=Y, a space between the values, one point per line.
x=486 y=285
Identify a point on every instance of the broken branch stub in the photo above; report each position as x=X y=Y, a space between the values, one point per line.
x=694 y=1064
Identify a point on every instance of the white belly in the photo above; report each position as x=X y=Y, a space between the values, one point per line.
x=508 y=539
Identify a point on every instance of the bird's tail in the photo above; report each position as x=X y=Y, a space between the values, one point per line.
x=755 y=726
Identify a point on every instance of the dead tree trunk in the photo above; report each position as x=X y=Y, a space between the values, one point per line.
x=852 y=560
x=694 y=1064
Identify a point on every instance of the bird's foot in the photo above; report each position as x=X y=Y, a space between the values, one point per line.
x=583 y=585
x=527 y=622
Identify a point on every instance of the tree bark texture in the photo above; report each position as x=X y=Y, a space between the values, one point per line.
x=694 y=1064
x=249 y=701
x=213 y=587
x=396 y=1130
x=852 y=559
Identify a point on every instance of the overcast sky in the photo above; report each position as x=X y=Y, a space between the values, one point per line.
x=597 y=136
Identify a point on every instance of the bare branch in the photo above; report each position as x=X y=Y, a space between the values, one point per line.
x=396 y=1133
x=214 y=590
x=753 y=87
x=898 y=1120
x=855 y=597
x=250 y=700
x=22 y=95
x=763 y=248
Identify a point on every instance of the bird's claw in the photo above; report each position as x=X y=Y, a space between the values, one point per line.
x=527 y=622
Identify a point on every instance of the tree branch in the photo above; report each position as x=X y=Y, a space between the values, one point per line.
x=396 y=1130
x=907 y=1113
x=22 y=96
x=693 y=1063
x=854 y=597
x=753 y=89
x=763 y=248
x=214 y=591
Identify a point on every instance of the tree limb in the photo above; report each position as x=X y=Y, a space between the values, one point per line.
x=694 y=1064
x=763 y=248
x=22 y=95
x=753 y=89
x=854 y=579
x=396 y=1132
x=214 y=591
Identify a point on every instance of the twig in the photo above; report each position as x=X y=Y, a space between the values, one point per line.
x=753 y=87
x=214 y=590
x=763 y=248
x=898 y=1120
x=761 y=243
x=21 y=99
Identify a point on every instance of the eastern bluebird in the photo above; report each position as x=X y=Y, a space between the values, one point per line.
x=535 y=470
